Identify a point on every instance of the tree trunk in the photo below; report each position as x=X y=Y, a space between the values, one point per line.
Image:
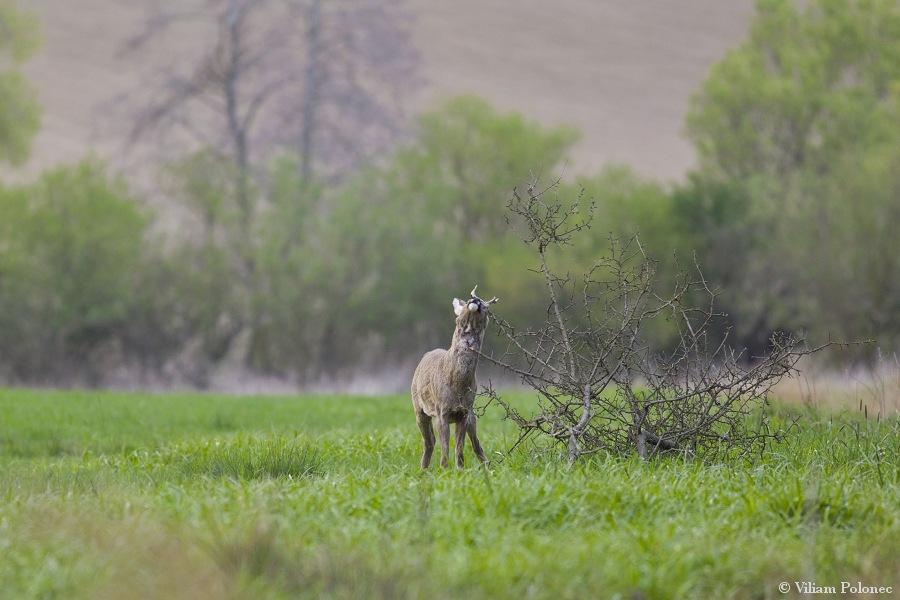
x=311 y=83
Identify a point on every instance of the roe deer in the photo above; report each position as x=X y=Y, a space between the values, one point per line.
x=443 y=386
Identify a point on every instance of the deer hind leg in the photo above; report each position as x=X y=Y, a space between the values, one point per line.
x=472 y=430
x=460 y=443
x=424 y=422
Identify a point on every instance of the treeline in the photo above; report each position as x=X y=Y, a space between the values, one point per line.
x=319 y=280
x=793 y=215
x=330 y=280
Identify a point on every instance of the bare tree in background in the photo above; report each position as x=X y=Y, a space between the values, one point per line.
x=231 y=84
x=326 y=81
x=601 y=387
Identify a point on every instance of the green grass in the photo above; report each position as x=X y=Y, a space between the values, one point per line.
x=106 y=495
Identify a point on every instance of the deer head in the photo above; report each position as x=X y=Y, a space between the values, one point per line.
x=473 y=304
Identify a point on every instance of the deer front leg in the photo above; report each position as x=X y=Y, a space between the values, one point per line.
x=425 y=427
x=472 y=430
x=460 y=444
x=443 y=426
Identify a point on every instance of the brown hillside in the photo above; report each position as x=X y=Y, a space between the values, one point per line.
x=621 y=71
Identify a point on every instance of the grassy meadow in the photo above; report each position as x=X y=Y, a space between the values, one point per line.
x=117 y=495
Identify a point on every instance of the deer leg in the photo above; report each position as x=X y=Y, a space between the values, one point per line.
x=443 y=426
x=460 y=444
x=425 y=427
x=471 y=429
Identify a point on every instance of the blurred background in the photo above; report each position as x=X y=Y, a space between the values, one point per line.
x=284 y=194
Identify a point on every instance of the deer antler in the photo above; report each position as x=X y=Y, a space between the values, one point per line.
x=489 y=302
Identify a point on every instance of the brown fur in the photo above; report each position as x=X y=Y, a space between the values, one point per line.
x=444 y=386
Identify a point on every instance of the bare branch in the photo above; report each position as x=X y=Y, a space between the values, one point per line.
x=324 y=81
x=600 y=386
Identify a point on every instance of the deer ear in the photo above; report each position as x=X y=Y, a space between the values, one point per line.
x=458 y=306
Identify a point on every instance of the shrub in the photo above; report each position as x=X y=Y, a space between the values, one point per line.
x=70 y=251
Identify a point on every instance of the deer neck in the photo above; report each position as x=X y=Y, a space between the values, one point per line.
x=465 y=349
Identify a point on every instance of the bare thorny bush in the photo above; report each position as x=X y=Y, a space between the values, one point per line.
x=601 y=386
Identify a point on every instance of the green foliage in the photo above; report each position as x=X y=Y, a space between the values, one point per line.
x=732 y=230
x=204 y=183
x=799 y=125
x=632 y=216
x=628 y=206
x=296 y=277
x=21 y=31
x=468 y=157
x=853 y=288
x=20 y=117
x=120 y=521
x=202 y=280
x=20 y=113
x=806 y=84
x=354 y=276
x=790 y=215
x=71 y=247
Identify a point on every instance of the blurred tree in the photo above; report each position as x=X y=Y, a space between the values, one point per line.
x=207 y=271
x=747 y=251
x=353 y=278
x=295 y=275
x=321 y=82
x=457 y=180
x=798 y=125
x=468 y=157
x=852 y=234
x=71 y=252
x=627 y=207
x=807 y=83
x=20 y=113
x=325 y=80
x=621 y=208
